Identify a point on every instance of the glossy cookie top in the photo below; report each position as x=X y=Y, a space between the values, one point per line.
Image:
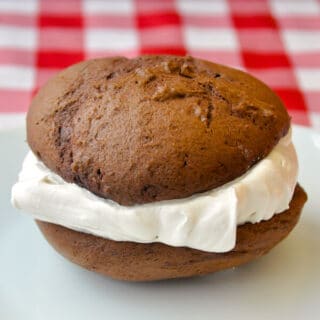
x=154 y=127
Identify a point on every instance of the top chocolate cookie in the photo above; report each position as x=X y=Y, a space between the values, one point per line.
x=153 y=128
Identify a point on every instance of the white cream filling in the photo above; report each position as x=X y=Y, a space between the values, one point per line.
x=205 y=221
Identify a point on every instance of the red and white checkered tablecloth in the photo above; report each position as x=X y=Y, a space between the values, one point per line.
x=278 y=41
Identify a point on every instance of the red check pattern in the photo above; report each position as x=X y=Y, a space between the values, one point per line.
x=278 y=41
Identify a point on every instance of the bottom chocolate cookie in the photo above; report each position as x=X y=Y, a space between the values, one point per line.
x=144 y=262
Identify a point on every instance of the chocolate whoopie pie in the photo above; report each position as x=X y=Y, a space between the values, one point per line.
x=149 y=132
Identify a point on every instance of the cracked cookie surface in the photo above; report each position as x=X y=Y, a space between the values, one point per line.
x=154 y=127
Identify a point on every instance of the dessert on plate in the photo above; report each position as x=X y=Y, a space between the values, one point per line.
x=159 y=167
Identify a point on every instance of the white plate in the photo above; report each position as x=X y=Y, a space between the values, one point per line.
x=37 y=283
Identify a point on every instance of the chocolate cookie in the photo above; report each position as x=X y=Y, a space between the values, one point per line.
x=142 y=262
x=154 y=127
